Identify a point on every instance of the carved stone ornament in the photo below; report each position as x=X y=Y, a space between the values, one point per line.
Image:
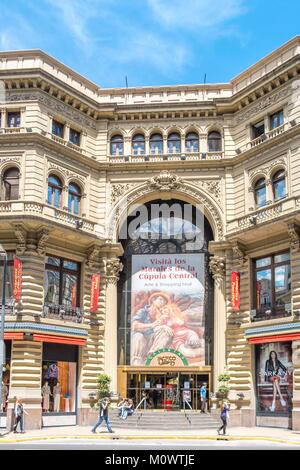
x=213 y=187
x=113 y=269
x=118 y=190
x=21 y=235
x=166 y=181
x=294 y=234
x=267 y=169
x=261 y=105
x=42 y=239
x=67 y=173
x=238 y=254
x=93 y=256
x=217 y=266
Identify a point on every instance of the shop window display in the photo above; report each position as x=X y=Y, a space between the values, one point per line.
x=59 y=387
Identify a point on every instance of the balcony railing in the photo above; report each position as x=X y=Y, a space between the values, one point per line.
x=270 y=315
x=188 y=156
x=61 y=312
x=64 y=142
x=267 y=136
x=49 y=212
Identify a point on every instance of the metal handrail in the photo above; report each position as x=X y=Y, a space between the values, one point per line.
x=185 y=414
x=185 y=401
x=142 y=400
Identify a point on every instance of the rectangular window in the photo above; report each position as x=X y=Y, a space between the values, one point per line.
x=62 y=279
x=258 y=129
x=276 y=120
x=74 y=137
x=9 y=292
x=272 y=286
x=58 y=129
x=13 y=119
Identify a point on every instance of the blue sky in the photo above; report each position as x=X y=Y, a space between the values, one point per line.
x=152 y=42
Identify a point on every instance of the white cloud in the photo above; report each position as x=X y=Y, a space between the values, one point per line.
x=191 y=14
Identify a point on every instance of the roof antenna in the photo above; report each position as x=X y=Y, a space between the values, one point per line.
x=204 y=79
x=126 y=81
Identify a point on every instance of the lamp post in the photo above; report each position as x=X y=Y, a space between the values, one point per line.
x=3 y=254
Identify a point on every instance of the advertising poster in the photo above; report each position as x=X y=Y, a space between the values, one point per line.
x=274 y=378
x=167 y=307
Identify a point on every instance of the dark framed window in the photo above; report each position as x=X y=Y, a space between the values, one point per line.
x=74 y=137
x=54 y=191
x=272 y=285
x=138 y=144
x=116 y=145
x=214 y=142
x=276 y=119
x=279 y=185
x=9 y=293
x=11 y=180
x=192 y=142
x=260 y=193
x=174 y=143
x=58 y=129
x=62 y=282
x=258 y=129
x=13 y=119
x=156 y=144
x=74 y=197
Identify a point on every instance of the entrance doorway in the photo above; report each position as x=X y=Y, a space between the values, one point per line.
x=166 y=391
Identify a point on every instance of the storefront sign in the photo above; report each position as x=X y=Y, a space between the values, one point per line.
x=17 y=278
x=274 y=378
x=235 y=291
x=166 y=358
x=95 y=288
x=168 y=294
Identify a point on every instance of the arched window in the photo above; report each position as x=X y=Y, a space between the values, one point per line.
x=74 y=196
x=54 y=191
x=260 y=193
x=278 y=182
x=192 y=142
x=174 y=143
x=138 y=145
x=116 y=145
x=156 y=144
x=214 y=142
x=11 y=180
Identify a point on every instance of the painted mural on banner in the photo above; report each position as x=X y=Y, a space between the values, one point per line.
x=274 y=378
x=167 y=306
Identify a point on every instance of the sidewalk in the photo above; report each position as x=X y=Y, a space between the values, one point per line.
x=84 y=432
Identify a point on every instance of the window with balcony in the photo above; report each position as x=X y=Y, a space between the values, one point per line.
x=58 y=129
x=61 y=286
x=74 y=137
x=276 y=120
x=192 y=143
x=13 y=119
x=74 y=197
x=138 y=145
x=116 y=146
x=214 y=142
x=279 y=185
x=258 y=129
x=260 y=193
x=174 y=143
x=156 y=144
x=272 y=289
x=10 y=184
x=54 y=191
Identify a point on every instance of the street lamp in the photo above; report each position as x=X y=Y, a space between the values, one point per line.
x=3 y=255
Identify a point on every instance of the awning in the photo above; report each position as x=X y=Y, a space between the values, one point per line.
x=273 y=333
x=59 y=339
x=12 y=336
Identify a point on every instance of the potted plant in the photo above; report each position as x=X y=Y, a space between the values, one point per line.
x=103 y=390
x=223 y=389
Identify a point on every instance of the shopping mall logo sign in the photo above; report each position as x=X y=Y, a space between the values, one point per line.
x=157 y=221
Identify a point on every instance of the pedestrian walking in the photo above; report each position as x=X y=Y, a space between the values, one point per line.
x=103 y=415
x=224 y=417
x=203 y=397
x=19 y=411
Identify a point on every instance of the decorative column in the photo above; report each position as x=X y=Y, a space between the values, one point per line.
x=113 y=269
x=217 y=267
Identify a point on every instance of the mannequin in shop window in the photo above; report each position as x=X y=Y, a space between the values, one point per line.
x=46 y=392
x=57 y=394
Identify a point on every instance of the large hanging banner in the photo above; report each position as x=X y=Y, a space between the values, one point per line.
x=17 y=278
x=235 y=291
x=95 y=288
x=167 y=309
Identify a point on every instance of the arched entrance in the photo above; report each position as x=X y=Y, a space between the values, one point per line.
x=165 y=305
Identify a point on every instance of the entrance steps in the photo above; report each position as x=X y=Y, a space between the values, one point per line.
x=167 y=420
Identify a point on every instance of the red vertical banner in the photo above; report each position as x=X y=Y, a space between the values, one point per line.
x=235 y=291
x=95 y=287
x=17 y=278
x=74 y=296
x=258 y=294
